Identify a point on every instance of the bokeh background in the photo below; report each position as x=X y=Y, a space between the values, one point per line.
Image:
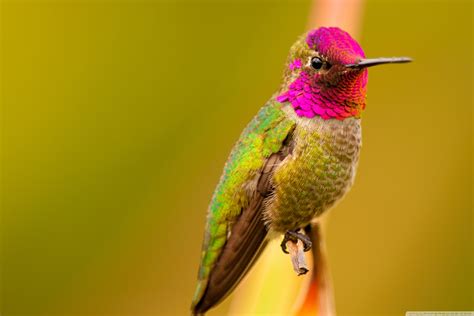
x=117 y=118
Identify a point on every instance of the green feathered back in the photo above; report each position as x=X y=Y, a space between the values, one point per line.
x=263 y=136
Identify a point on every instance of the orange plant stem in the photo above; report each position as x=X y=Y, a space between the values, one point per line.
x=345 y=14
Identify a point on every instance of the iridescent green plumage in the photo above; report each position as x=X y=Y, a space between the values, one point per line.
x=317 y=174
x=263 y=136
x=317 y=170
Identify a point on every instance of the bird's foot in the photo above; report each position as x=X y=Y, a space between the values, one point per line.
x=294 y=236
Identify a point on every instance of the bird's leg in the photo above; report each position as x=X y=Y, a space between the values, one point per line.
x=294 y=236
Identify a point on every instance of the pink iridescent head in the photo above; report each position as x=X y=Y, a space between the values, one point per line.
x=327 y=75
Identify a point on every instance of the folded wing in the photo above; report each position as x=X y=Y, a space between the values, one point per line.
x=235 y=231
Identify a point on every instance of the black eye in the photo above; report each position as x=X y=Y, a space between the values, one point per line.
x=316 y=63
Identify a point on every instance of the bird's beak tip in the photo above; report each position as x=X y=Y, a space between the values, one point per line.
x=369 y=62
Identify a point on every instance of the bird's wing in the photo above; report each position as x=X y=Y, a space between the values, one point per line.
x=235 y=230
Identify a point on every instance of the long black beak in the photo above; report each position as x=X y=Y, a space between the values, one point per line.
x=364 y=63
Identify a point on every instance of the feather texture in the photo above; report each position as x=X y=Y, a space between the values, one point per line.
x=235 y=230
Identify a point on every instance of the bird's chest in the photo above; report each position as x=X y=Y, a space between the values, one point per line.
x=318 y=172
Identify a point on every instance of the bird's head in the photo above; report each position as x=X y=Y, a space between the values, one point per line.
x=326 y=75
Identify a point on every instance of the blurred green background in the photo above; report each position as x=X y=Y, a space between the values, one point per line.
x=117 y=118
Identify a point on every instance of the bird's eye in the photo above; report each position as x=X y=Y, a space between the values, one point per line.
x=316 y=63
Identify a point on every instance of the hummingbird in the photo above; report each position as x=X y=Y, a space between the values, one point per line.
x=295 y=159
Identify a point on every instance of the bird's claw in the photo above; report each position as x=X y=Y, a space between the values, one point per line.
x=294 y=236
